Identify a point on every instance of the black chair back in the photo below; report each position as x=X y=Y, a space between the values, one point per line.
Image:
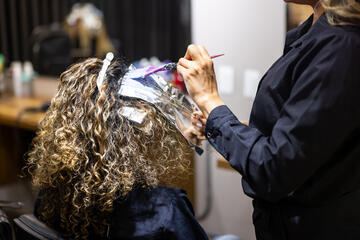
x=30 y=228
x=5 y=227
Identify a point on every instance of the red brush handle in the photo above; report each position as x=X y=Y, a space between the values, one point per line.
x=215 y=56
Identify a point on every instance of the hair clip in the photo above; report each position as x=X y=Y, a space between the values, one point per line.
x=109 y=57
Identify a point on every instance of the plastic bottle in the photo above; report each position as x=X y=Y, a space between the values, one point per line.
x=27 y=76
x=16 y=71
x=2 y=78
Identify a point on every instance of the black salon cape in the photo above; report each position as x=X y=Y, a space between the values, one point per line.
x=157 y=213
x=300 y=156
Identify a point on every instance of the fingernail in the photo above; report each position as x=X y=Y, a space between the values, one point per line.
x=199 y=124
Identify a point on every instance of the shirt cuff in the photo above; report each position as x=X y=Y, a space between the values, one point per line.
x=217 y=118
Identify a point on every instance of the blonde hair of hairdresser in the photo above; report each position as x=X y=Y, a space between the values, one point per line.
x=342 y=12
x=86 y=154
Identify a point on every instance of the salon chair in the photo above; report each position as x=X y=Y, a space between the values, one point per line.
x=5 y=227
x=5 y=224
x=28 y=227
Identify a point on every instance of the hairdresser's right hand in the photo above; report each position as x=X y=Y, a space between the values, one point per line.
x=197 y=69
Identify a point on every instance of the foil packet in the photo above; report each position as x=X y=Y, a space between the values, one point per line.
x=170 y=101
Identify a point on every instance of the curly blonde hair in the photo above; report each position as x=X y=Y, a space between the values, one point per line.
x=86 y=154
x=342 y=12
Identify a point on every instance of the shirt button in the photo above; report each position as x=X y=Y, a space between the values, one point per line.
x=209 y=134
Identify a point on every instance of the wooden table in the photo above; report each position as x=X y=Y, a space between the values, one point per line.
x=12 y=112
x=15 y=136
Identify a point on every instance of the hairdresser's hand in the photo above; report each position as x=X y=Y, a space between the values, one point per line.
x=198 y=121
x=198 y=72
x=195 y=134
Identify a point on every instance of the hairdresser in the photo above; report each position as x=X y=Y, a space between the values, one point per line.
x=300 y=155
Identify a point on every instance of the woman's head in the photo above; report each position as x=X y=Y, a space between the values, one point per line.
x=86 y=154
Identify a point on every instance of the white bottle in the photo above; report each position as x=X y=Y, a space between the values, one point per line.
x=16 y=72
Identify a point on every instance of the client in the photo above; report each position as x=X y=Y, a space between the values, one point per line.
x=102 y=176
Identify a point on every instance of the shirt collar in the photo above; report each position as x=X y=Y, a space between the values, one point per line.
x=297 y=33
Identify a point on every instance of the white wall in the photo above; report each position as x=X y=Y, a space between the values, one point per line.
x=251 y=34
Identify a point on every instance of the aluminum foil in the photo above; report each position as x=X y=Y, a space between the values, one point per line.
x=173 y=104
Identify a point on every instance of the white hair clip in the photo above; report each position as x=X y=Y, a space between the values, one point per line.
x=109 y=57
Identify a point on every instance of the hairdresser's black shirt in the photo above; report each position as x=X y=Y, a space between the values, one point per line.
x=156 y=213
x=300 y=156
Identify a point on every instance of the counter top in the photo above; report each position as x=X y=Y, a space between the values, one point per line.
x=12 y=112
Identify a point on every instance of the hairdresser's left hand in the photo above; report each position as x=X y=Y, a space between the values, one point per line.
x=195 y=134
x=198 y=72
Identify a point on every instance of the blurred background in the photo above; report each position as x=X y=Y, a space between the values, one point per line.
x=39 y=39
x=134 y=28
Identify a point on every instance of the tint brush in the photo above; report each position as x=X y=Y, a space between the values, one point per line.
x=170 y=66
